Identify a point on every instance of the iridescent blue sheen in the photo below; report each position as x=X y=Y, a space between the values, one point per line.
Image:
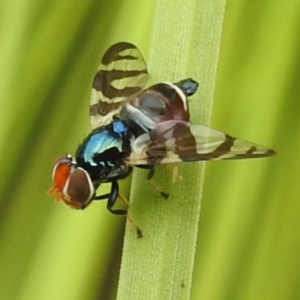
x=102 y=140
x=119 y=126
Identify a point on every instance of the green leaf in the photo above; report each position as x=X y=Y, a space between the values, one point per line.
x=185 y=43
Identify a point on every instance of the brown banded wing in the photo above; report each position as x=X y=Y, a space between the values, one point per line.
x=122 y=73
x=176 y=141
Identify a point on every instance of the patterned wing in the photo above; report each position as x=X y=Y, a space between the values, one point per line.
x=122 y=73
x=176 y=141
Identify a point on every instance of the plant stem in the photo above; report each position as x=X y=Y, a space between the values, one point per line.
x=185 y=43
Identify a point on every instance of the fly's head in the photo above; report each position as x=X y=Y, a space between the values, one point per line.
x=71 y=183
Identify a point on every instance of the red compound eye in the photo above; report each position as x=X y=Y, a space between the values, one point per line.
x=60 y=175
x=61 y=172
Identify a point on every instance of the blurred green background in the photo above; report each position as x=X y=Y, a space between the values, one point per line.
x=248 y=240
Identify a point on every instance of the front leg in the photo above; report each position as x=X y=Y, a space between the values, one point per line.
x=101 y=197
x=112 y=198
x=114 y=193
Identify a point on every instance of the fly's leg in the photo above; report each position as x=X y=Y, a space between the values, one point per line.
x=112 y=198
x=101 y=197
x=151 y=172
x=153 y=183
x=158 y=189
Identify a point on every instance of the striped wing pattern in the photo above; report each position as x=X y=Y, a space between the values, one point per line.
x=176 y=141
x=122 y=73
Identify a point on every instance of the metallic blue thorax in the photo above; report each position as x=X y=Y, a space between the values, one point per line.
x=103 y=151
